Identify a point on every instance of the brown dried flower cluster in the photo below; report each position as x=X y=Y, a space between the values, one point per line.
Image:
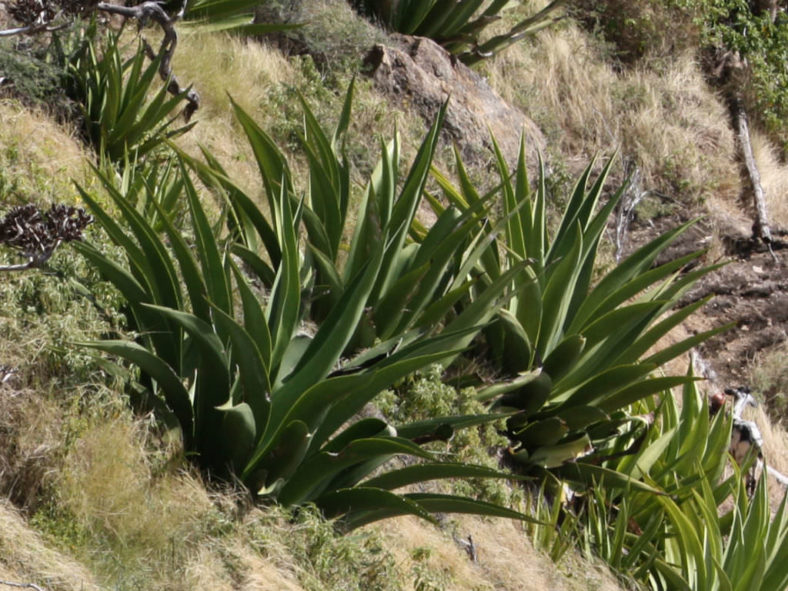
x=36 y=234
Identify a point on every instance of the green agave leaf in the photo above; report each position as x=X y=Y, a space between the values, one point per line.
x=281 y=461
x=437 y=427
x=270 y=160
x=190 y=271
x=545 y=433
x=343 y=396
x=243 y=207
x=592 y=475
x=553 y=456
x=417 y=355
x=564 y=356
x=692 y=555
x=318 y=469
x=490 y=392
x=239 y=432
x=362 y=505
x=436 y=503
x=117 y=275
x=375 y=210
x=332 y=337
x=207 y=248
x=604 y=383
x=557 y=297
x=255 y=263
x=284 y=305
x=212 y=383
x=175 y=393
x=579 y=417
x=252 y=368
x=363 y=429
x=418 y=473
x=631 y=394
x=630 y=277
x=151 y=258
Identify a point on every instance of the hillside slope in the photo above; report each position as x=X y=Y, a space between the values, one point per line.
x=100 y=498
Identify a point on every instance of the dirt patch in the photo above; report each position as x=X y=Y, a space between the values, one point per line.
x=750 y=291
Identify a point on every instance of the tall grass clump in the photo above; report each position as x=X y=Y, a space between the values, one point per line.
x=666 y=122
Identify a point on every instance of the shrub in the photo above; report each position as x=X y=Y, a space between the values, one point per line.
x=120 y=116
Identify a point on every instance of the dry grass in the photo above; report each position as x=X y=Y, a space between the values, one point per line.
x=774 y=177
x=667 y=122
x=139 y=526
x=506 y=558
x=26 y=557
x=38 y=157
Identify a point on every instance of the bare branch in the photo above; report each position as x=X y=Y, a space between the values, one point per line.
x=33 y=29
x=761 y=226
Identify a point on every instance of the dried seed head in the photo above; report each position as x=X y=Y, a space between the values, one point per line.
x=35 y=234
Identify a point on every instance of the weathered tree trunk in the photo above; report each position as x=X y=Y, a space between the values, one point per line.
x=761 y=226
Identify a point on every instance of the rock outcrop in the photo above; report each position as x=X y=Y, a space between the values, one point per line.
x=421 y=75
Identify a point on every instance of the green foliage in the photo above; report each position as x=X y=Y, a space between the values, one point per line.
x=577 y=352
x=263 y=395
x=238 y=16
x=701 y=531
x=734 y=26
x=424 y=395
x=417 y=284
x=33 y=78
x=458 y=24
x=123 y=112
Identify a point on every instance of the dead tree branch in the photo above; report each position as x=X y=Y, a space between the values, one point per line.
x=761 y=226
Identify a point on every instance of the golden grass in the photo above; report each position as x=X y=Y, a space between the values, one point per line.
x=107 y=487
x=774 y=178
x=38 y=157
x=26 y=557
x=505 y=557
x=667 y=122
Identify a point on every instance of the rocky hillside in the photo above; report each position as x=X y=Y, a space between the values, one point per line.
x=98 y=495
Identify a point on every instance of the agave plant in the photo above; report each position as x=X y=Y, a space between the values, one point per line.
x=458 y=24
x=579 y=351
x=682 y=538
x=123 y=111
x=419 y=282
x=256 y=391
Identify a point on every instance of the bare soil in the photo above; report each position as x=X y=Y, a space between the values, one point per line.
x=750 y=291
